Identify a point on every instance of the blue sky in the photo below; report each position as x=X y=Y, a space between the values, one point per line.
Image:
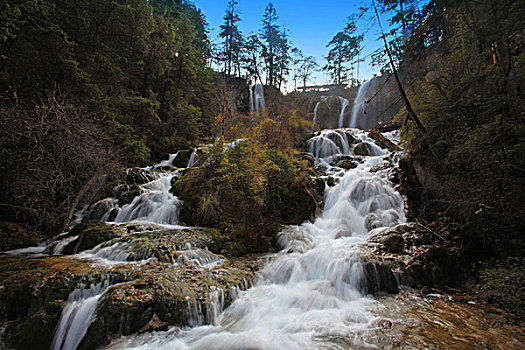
x=311 y=24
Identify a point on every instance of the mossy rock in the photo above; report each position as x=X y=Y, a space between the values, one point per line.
x=27 y=284
x=347 y=164
x=182 y=158
x=36 y=331
x=139 y=176
x=14 y=235
x=90 y=234
x=129 y=196
x=382 y=141
x=128 y=307
x=362 y=149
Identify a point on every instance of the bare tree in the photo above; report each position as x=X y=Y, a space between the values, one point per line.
x=50 y=154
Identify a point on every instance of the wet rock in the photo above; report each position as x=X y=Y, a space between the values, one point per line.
x=91 y=234
x=382 y=141
x=100 y=208
x=13 y=236
x=139 y=176
x=392 y=242
x=36 y=331
x=380 y=278
x=182 y=158
x=129 y=196
x=417 y=255
x=362 y=149
x=379 y=167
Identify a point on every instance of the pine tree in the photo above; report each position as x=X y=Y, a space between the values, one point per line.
x=344 y=47
x=232 y=36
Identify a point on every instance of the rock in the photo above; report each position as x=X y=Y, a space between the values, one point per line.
x=14 y=236
x=36 y=331
x=139 y=176
x=382 y=141
x=182 y=158
x=154 y=324
x=362 y=149
x=417 y=256
x=128 y=197
x=380 y=278
x=91 y=234
x=100 y=208
x=142 y=298
x=379 y=167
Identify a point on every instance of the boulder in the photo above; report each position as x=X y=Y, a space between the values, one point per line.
x=182 y=158
x=15 y=235
x=91 y=234
x=362 y=149
x=382 y=141
x=139 y=176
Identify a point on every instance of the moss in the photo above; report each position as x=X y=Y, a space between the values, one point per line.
x=90 y=234
x=498 y=278
x=182 y=158
x=347 y=164
x=129 y=196
x=36 y=331
x=14 y=235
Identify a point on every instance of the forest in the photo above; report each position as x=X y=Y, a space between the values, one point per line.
x=93 y=90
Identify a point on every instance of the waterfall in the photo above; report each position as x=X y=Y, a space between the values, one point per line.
x=344 y=104
x=77 y=316
x=316 y=109
x=156 y=204
x=193 y=158
x=257 y=103
x=314 y=290
x=373 y=104
x=329 y=117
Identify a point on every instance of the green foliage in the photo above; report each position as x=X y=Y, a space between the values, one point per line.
x=472 y=105
x=247 y=189
x=233 y=39
x=344 y=47
x=138 y=66
x=275 y=48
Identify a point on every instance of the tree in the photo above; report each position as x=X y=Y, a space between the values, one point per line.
x=344 y=47
x=230 y=33
x=307 y=66
x=275 y=47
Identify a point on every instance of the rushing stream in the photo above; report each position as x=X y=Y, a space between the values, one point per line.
x=313 y=290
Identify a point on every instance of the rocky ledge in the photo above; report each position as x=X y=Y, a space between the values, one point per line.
x=414 y=254
x=151 y=280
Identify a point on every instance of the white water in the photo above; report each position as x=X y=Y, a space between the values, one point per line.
x=156 y=204
x=314 y=290
x=373 y=102
x=257 y=103
x=328 y=101
x=77 y=316
x=344 y=104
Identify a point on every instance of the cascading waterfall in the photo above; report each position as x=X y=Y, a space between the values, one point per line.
x=77 y=316
x=257 y=103
x=329 y=119
x=313 y=291
x=373 y=102
x=344 y=104
x=156 y=204
x=316 y=109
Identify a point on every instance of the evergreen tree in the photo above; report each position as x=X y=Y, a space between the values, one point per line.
x=275 y=47
x=344 y=47
x=233 y=40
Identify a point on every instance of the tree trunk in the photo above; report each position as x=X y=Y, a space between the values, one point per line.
x=408 y=105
